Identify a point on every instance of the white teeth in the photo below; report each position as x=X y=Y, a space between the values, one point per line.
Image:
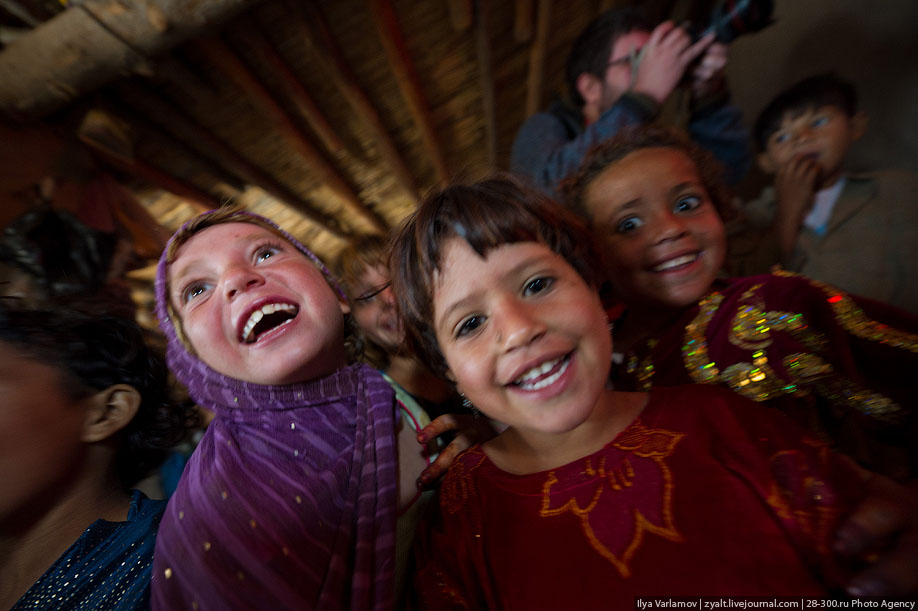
x=256 y=316
x=675 y=262
x=539 y=370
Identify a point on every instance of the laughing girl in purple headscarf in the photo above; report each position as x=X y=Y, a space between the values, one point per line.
x=290 y=499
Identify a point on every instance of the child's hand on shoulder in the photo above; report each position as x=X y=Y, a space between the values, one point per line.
x=469 y=431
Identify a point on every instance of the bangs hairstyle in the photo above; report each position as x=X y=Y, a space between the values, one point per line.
x=590 y=51
x=809 y=94
x=607 y=153
x=353 y=262
x=486 y=214
x=237 y=214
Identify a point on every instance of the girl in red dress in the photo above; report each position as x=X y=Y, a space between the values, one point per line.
x=592 y=496
x=840 y=365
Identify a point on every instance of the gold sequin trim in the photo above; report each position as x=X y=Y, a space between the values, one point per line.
x=855 y=322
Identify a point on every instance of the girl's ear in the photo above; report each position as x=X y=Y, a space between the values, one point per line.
x=449 y=376
x=109 y=411
x=344 y=305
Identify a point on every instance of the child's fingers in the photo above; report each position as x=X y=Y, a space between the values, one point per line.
x=432 y=474
x=894 y=574
x=660 y=32
x=442 y=424
x=888 y=513
x=695 y=50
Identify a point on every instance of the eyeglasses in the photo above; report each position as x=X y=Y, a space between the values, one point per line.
x=368 y=297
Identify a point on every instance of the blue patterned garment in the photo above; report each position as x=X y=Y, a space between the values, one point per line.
x=108 y=567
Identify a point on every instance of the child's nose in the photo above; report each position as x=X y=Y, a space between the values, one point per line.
x=669 y=226
x=239 y=279
x=518 y=325
x=387 y=296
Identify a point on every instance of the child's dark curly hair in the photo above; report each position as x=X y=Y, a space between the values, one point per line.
x=635 y=139
x=96 y=352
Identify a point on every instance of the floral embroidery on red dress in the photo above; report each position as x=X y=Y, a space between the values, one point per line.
x=638 y=455
x=459 y=487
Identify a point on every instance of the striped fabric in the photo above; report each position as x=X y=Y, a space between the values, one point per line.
x=289 y=500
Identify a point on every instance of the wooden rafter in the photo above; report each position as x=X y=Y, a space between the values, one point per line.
x=96 y=41
x=523 y=11
x=460 y=14
x=171 y=118
x=157 y=177
x=222 y=56
x=304 y=102
x=393 y=42
x=336 y=67
x=486 y=79
x=537 y=58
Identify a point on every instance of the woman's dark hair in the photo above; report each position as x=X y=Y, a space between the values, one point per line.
x=96 y=352
x=486 y=214
x=635 y=139
x=590 y=51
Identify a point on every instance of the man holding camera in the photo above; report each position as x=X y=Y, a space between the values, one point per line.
x=619 y=72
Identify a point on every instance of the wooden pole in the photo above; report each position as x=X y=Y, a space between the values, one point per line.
x=226 y=61
x=537 y=58
x=393 y=42
x=522 y=20
x=294 y=88
x=486 y=78
x=94 y=42
x=338 y=70
x=460 y=14
x=172 y=119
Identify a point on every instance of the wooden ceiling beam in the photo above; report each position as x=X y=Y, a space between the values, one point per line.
x=537 y=58
x=486 y=79
x=460 y=14
x=336 y=67
x=304 y=102
x=226 y=61
x=94 y=42
x=393 y=42
x=154 y=176
x=171 y=118
x=523 y=11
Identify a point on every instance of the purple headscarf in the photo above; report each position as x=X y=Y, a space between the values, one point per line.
x=289 y=501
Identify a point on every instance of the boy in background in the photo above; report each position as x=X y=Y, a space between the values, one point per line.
x=858 y=231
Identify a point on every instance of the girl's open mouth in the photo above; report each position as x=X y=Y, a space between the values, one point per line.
x=267 y=318
x=544 y=375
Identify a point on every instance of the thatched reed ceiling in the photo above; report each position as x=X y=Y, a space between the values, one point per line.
x=331 y=117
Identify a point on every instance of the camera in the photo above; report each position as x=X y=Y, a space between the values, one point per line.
x=733 y=18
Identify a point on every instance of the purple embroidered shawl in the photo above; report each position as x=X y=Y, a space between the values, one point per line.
x=289 y=501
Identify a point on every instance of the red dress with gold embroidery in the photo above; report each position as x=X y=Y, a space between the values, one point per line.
x=842 y=366
x=705 y=494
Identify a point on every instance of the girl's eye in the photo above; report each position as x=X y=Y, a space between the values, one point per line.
x=537 y=285
x=469 y=325
x=266 y=251
x=192 y=291
x=781 y=138
x=629 y=224
x=687 y=203
x=819 y=121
